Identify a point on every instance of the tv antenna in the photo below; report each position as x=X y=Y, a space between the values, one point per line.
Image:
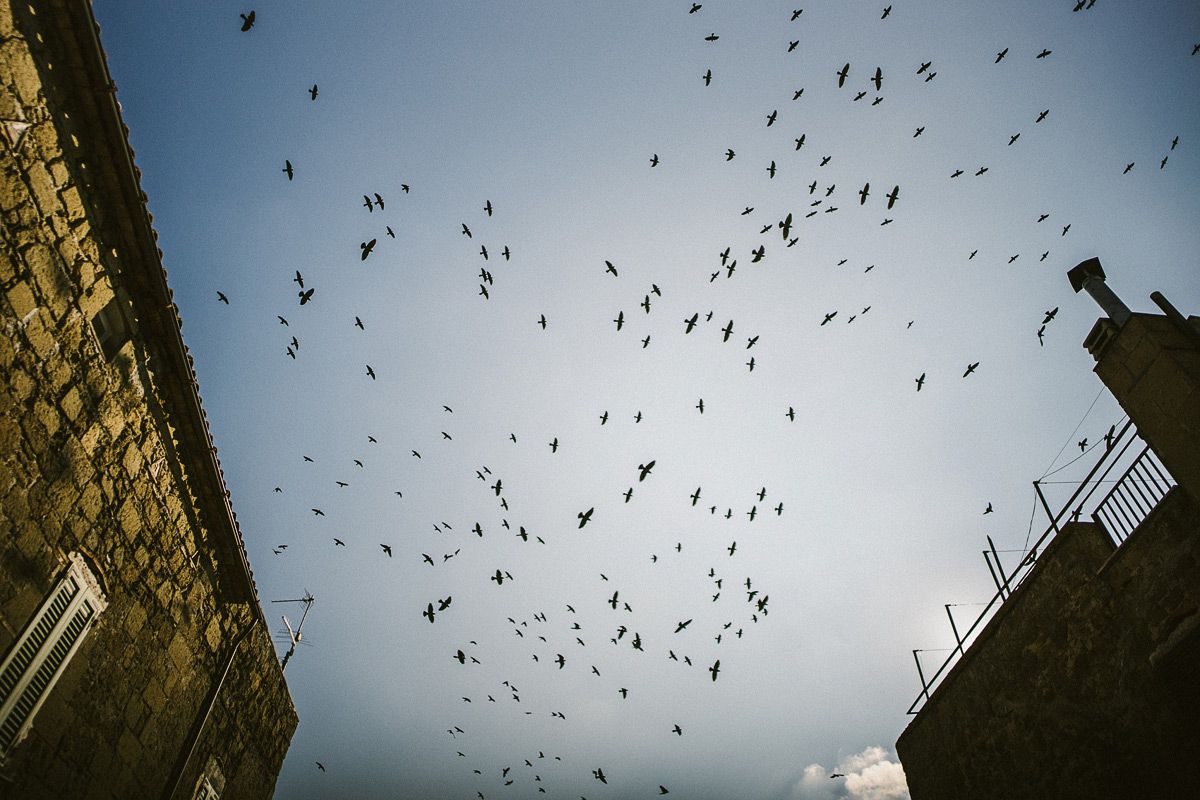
x=294 y=637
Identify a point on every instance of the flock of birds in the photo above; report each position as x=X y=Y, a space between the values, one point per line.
x=556 y=640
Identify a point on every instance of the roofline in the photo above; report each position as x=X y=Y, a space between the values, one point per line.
x=210 y=479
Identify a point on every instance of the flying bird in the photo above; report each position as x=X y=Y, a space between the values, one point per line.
x=287 y=167
x=247 y=21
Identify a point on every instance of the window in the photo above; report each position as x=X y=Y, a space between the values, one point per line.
x=205 y=790
x=211 y=782
x=110 y=329
x=39 y=655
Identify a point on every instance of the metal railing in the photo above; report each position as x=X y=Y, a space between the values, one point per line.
x=1134 y=496
x=1142 y=484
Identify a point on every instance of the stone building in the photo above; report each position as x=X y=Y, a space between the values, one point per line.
x=135 y=661
x=1083 y=684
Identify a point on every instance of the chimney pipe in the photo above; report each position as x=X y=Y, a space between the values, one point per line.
x=1089 y=276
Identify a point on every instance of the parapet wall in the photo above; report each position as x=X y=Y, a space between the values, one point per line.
x=1083 y=685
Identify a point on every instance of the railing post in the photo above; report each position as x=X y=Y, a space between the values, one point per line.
x=987 y=557
x=1037 y=487
x=999 y=567
x=921 y=675
x=953 y=627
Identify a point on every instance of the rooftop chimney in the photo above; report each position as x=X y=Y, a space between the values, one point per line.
x=1089 y=276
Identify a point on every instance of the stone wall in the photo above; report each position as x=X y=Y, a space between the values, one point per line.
x=105 y=455
x=1152 y=367
x=1083 y=684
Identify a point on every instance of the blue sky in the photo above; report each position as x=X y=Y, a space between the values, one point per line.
x=552 y=112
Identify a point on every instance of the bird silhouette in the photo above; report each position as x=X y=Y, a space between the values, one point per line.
x=247 y=21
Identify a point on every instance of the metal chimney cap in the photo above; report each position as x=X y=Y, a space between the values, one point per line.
x=1079 y=275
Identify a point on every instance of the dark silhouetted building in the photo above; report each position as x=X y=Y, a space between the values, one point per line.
x=1085 y=683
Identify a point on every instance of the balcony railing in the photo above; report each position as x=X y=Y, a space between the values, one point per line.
x=1134 y=496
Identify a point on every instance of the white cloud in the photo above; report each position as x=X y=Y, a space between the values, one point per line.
x=869 y=775
x=883 y=780
x=814 y=784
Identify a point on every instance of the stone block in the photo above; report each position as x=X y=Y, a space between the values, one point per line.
x=71 y=404
x=40 y=337
x=21 y=299
x=41 y=185
x=13 y=192
x=59 y=173
x=48 y=415
x=129 y=748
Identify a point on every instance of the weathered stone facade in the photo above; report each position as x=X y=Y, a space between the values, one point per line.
x=104 y=452
x=1083 y=684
